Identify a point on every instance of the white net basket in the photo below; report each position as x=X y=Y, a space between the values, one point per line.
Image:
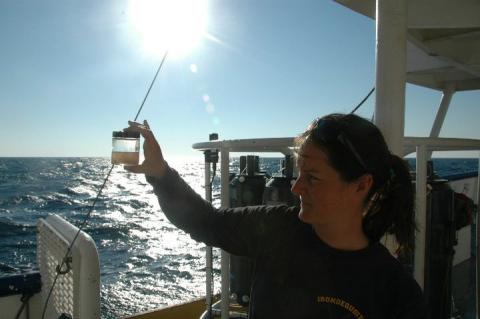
x=76 y=293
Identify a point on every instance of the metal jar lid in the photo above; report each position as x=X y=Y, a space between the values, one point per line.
x=128 y=134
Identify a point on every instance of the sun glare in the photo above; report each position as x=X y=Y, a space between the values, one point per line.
x=173 y=25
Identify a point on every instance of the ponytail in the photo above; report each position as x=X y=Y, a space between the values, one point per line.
x=391 y=208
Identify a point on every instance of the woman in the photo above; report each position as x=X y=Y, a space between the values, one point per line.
x=322 y=259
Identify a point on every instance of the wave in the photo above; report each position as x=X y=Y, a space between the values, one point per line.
x=52 y=203
x=79 y=191
x=172 y=274
x=30 y=244
x=110 y=231
x=133 y=203
x=10 y=228
x=19 y=199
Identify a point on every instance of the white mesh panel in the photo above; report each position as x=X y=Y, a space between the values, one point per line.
x=71 y=295
x=51 y=249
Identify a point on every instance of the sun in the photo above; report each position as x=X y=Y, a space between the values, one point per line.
x=173 y=25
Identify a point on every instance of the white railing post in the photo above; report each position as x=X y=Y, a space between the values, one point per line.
x=420 y=215
x=208 y=253
x=225 y=263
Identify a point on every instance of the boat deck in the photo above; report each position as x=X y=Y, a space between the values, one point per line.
x=463 y=288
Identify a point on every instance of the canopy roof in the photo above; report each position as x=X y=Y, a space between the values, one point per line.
x=443 y=49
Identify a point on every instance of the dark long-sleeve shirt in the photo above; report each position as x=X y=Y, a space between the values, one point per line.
x=296 y=275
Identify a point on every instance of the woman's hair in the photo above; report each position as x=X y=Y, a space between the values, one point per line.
x=355 y=146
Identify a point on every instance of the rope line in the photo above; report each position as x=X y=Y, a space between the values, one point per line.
x=363 y=101
x=151 y=85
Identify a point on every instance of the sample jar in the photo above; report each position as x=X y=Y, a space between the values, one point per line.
x=125 y=147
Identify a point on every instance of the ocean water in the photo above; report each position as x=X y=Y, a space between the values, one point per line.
x=146 y=262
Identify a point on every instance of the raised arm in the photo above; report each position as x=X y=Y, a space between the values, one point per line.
x=240 y=231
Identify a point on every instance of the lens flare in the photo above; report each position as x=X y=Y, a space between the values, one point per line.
x=193 y=68
x=210 y=108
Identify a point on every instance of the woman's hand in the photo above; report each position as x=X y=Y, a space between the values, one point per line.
x=154 y=164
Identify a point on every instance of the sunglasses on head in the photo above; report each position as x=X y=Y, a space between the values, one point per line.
x=329 y=132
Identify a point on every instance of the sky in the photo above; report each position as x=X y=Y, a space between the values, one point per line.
x=71 y=72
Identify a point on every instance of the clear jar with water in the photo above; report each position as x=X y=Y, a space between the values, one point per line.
x=125 y=148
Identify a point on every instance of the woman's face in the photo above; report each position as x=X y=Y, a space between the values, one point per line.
x=325 y=198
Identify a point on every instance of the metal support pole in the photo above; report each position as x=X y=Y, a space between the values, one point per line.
x=420 y=215
x=441 y=113
x=209 y=255
x=391 y=57
x=225 y=263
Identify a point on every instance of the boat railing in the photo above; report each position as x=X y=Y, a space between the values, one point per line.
x=424 y=146
x=277 y=145
x=77 y=292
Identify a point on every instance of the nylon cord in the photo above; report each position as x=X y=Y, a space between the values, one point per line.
x=25 y=299
x=151 y=85
x=363 y=101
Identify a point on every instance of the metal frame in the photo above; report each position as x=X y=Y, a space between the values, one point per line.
x=280 y=145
